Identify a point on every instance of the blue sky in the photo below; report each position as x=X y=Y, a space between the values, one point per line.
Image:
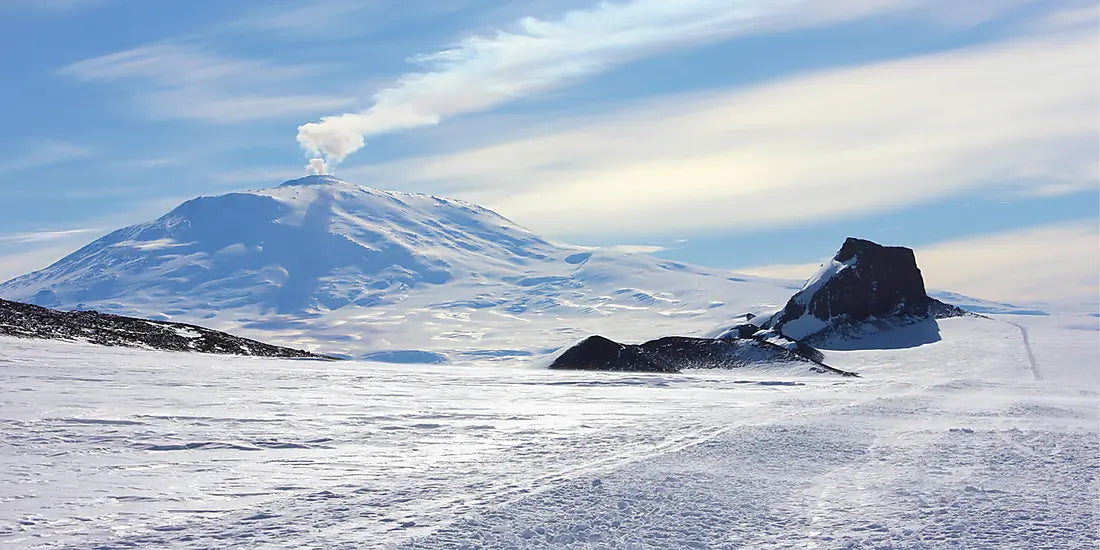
x=737 y=134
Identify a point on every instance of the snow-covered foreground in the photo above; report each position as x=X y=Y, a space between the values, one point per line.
x=951 y=444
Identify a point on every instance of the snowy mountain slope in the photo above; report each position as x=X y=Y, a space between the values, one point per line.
x=309 y=245
x=339 y=268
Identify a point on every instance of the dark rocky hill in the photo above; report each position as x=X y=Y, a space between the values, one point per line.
x=30 y=321
x=866 y=289
x=866 y=286
x=674 y=353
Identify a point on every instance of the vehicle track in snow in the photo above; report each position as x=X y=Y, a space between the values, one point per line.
x=1032 y=363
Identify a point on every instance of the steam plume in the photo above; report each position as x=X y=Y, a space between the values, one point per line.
x=316 y=167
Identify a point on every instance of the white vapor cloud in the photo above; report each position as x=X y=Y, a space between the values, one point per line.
x=1014 y=116
x=177 y=81
x=484 y=71
x=316 y=167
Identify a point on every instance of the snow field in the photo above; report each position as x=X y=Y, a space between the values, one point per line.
x=952 y=444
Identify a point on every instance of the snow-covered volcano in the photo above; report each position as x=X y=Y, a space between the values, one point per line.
x=341 y=268
x=307 y=246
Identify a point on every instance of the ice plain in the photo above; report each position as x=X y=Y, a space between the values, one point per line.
x=961 y=443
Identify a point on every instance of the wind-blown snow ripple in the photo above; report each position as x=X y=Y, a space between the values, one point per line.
x=948 y=444
x=132 y=447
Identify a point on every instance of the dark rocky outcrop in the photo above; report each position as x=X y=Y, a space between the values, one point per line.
x=853 y=302
x=30 y=321
x=599 y=353
x=865 y=284
x=673 y=353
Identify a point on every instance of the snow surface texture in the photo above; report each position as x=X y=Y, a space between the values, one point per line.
x=961 y=443
x=338 y=268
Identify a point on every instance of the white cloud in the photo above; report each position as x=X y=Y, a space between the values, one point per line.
x=299 y=17
x=42 y=153
x=638 y=248
x=799 y=272
x=1008 y=117
x=14 y=265
x=316 y=167
x=28 y=251
x=1080 y=15
x=174 y=81
x=45 y=236
x=486 y=70
x=151 y=163
x=1058 y=263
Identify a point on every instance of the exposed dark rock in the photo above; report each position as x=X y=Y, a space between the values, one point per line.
x=30 y=321
x=744 y=330
x=864 y=284
x=599 y=353
x=673 y=353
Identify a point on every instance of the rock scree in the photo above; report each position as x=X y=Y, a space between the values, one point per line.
x=671 y=354
x=31 y=321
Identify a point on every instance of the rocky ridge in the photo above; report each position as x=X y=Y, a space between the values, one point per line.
x=30 y=321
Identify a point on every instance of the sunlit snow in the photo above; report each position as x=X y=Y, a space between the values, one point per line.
x=963 y=442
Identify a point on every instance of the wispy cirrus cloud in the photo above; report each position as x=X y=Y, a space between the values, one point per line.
x=45 y=236
x=179 y=81
x=1011 y=117
x=538 y=55
x=483 y=71
x=30 y=250
x=1056 y=263
x=18 y=263
x=42 y=153
x=52 y=6
x=298 y=16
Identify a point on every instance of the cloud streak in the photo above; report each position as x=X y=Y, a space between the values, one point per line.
x=484 y=71
x=52 y=6
x=1016 y=116
x=45 y=236
x=177 y=81
x=39 y=154
x=1056 y=264
x=25 y=252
